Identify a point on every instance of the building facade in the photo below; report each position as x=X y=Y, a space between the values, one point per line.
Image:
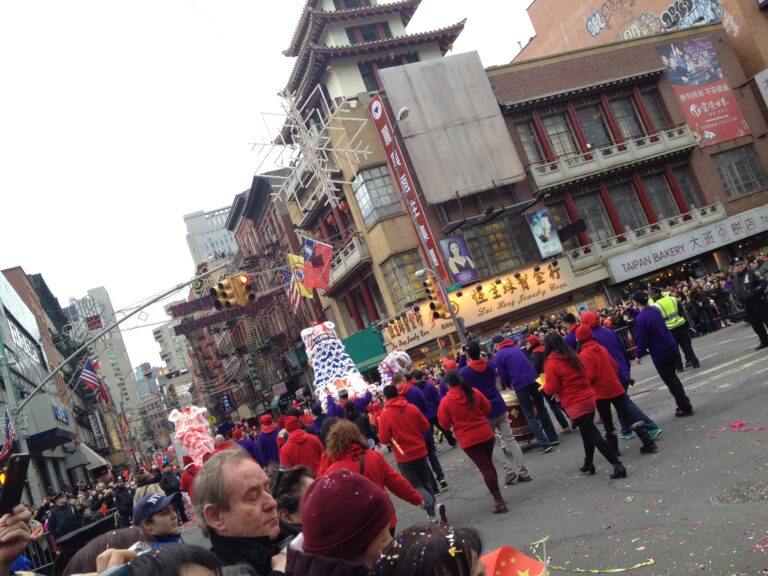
x=173 y=348
x=206 y=236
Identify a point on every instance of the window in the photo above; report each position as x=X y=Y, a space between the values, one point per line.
x=376 y=195
x=559 y=133
x=591 y=209
x=624 y=111
x=369 y=32
x=561 y=219
x=627 y=205
x=400 y=275
x=500 y=245
x=369 y=76
x=654 y=110
x=529 y=141
x=350 y=4
x=687 y=186
x=740 y=170
x=660 y=196
x=593 y=124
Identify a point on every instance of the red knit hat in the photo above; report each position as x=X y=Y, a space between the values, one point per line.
x=266 y=420
x=187 y=459
x=583 y=333
x=533 y=340
x=449 y=364
x=342 y=513
x=237 y=433
x=590 y=319
x=292 y=423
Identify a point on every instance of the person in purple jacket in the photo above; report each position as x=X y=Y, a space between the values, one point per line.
x=652 y=336
x=571 y=323
x=319 y=418
x=267 y=441
x=245 y=442
x=481 y=374
x=432 y=398
x=515 y=370
x=337 y=409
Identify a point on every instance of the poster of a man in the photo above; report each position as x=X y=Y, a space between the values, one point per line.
x=460 y=263
x=543 y=229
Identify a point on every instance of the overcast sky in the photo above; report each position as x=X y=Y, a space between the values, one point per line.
x=117 y=118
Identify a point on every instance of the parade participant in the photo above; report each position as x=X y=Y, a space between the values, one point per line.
x=602 y=372
x=346 y=526
x=652 y=336
x=319 y=416
x=432 y=399
x=670 y=310
x=536 y=356
x=435 y=550
x=156 y=515
x=188 y=475
x=480 y=373
x=347 y=450
x=63 y=518
x=236 y=511
x=749 y=288
x=403 y=425
x=301 y=448
x=612 y=342
x=267 y=441
x=288 y=489
x=565 y=377
x=246 y=443
x=465 y=409
x=570 y=323
x=515 y=371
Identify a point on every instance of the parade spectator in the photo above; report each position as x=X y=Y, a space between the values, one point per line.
x=301 y=448
x=144 y=487
x=156 y=515
x=176 y=560
x=288 y=488
x=63 y=518
x=15 y=534
x=171 y=485
x=84 y=560
x=123 y=503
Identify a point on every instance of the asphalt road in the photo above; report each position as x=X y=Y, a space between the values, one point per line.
x=697 y=506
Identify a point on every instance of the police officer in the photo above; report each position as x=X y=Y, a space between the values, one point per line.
x=669 y=306
x=749 y=288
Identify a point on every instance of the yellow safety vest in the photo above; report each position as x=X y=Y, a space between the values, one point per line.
x=670 y=311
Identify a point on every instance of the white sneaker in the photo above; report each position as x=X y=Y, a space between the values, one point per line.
x=432 y=519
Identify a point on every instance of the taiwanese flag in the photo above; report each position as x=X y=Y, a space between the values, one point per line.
x=507 y=561
x=317 y=263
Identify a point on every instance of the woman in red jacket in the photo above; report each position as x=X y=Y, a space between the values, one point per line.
x=603 y=374
x=464 y=409
x=565 y=377
x=347 y=449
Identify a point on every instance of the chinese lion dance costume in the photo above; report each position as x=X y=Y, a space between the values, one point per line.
x=192 y=431
x=397 y=362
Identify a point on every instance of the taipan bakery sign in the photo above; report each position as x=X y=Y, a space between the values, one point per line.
x=487 y=300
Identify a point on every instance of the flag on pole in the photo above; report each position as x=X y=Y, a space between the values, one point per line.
x=317 y=263
x=285 y=277
x=10 y=436
x=297 y=269
x=93 y=382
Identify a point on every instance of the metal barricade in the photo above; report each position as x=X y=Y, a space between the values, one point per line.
x=628 y=339
x=41 y=553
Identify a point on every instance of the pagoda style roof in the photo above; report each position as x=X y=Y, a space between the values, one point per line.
x=313 y=59
x=313 y=20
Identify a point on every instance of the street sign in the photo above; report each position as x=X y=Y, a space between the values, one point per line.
x=453 y=288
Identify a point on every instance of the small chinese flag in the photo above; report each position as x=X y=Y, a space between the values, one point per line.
x=507 y=561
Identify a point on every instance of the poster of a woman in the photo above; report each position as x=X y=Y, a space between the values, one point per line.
x=544 y=231
x=460 y=263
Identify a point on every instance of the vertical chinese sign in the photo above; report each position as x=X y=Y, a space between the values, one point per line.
x=405 y=185
x=703 y=92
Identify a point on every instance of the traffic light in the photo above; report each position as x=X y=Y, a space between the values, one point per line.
x=224 y=295
x=430 y=287
x=436 y=304
x=244 y=289
x=439 y=309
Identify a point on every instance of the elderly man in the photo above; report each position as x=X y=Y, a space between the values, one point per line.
x=235 y=509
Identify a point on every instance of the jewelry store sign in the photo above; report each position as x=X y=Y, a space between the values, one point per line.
x=494 y=298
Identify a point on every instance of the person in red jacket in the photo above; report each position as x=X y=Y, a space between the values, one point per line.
x=403 y=425
x=301 y=448
x=603 y=374
x=464 y=409
x=565 y=377
x=348 y=449
x=188 y=476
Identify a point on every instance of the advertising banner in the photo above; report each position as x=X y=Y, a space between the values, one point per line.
x=703 y=92
x=545 y=233
x=227 y=404
x=460 y=262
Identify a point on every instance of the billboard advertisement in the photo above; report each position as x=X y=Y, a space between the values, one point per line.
x=703 y=92
x=544 y=232
x=460 y=263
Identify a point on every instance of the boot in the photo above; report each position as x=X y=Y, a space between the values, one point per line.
x=618 y=471
x=649 y=445
x=613 y=442
x=588 y=467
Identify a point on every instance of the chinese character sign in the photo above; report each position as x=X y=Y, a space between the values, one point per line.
x=702 y=91
x=460 y=263
x=545 y=233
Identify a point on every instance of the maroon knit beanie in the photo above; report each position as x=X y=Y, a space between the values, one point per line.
x=342 y=513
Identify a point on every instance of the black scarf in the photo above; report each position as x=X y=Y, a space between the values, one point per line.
x=257 y=552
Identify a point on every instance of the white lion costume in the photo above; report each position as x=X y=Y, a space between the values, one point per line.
x=334 y=369
x=397 y=362
x=192 y=431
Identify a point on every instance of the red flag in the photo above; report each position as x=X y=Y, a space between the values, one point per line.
x=317 y=263
x=94 y=383
x=506 y=561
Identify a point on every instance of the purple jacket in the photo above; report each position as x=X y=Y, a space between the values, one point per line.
x=443 y=388
x=431 y=397
x=414 y=395
x=251 y=447
x=570 y=339
x=612 y=342
x=268 y=451
x=652 y=335
x=317 y=423
x=338 y=411
x=485 y=382
x=513 y=367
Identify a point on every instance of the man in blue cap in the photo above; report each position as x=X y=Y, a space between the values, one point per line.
x=156 y=515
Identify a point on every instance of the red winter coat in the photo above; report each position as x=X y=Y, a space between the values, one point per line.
x=403 y=425
x=601 y=369
x=188 y=480
x=470 y=425
x=570 y=384
x=302 y=448
x=377 y=469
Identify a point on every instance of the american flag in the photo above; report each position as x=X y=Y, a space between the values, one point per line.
x=10 y=436
x=92 y=380
x=295 y=296
x=285 y=277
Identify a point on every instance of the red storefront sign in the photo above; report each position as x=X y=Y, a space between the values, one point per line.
x=405 y=185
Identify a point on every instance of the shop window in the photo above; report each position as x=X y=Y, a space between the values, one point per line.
x=559 y=133
x=688 y=188
x=624 y=111
x=500 y=246
x=591 y=209
x=400 y=276
x=740 y=171
x=376 y=195
x=653 y=107
x=530 y=142
x=660 y=196
x=594 y=126
x=628 y=205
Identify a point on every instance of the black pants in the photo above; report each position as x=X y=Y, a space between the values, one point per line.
x=447 y=433
x=683 y=337
x=666 y=369
x=757 y=315
x=179 y=504
x=621 y=403
x=592 y=439
x=417 y=472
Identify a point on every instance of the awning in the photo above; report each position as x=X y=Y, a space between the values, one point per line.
x=365 y=348
x=93 y=459
x=371 y=362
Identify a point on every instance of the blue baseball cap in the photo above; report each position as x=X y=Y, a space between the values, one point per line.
x=152 y=504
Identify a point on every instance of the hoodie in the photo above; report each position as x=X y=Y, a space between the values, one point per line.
x=601 y=370
x=267 y=443
x=469 y=424
x=414 y=395
x=481 y=374
x=431 y=397
x=513 y=367
x=302 y=449
x=403 y=425
x=612 y=342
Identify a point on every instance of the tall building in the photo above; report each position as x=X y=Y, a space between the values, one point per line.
x=146 y=380
x=207 y=237
x=173 y=348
